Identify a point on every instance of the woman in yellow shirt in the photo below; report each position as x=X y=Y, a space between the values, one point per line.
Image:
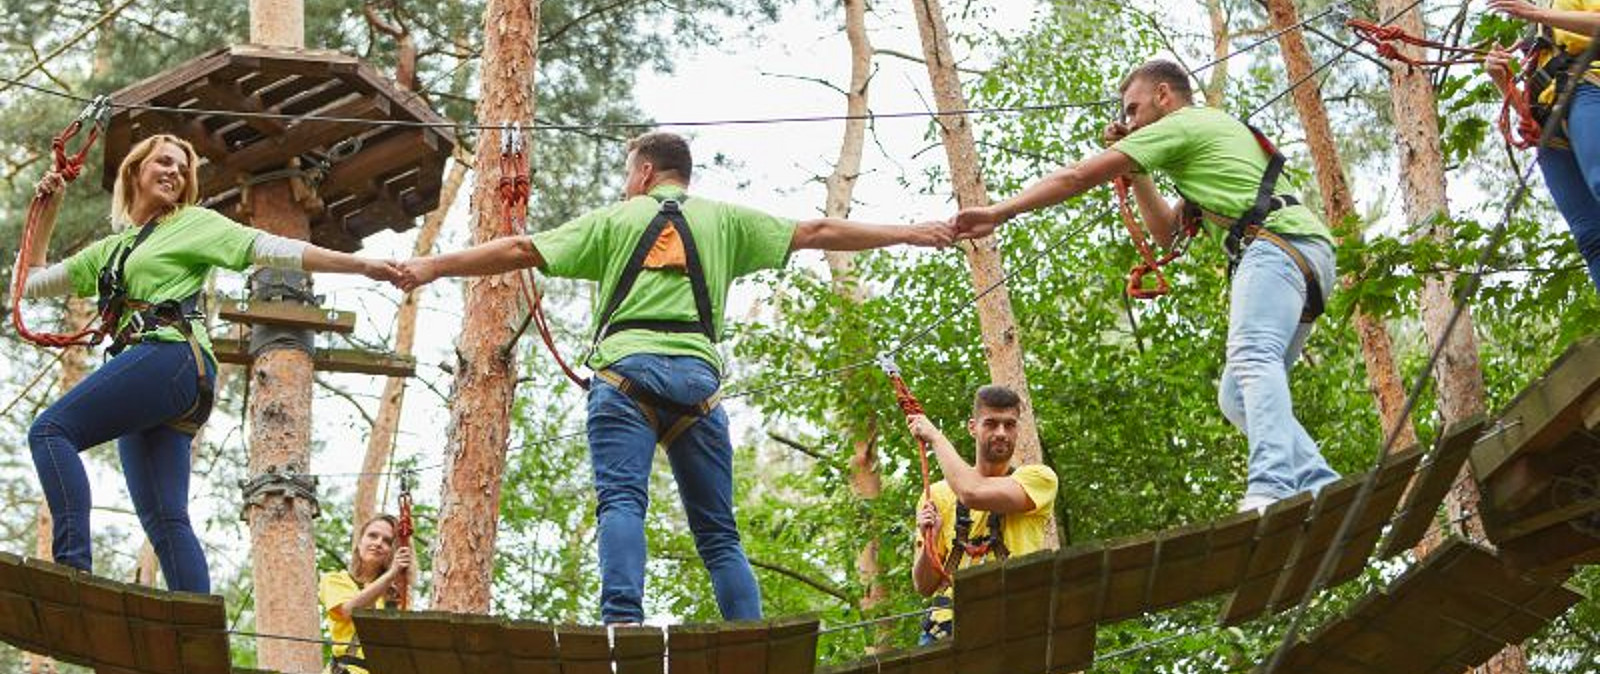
x=1572 y=173
x=377 y=572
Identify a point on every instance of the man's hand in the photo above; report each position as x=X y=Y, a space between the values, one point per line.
x=387 y=271
x=923 y=429
x=1498 y=64
x=1521 y=9
x=932 y=234
x=928 y=518
x=976 y=222
x=50 y=186
x=1114 y=132
x=415 y=273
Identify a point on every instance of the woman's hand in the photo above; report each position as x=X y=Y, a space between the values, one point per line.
x=1521 y=9
x=401 y=566
x=1498 y=64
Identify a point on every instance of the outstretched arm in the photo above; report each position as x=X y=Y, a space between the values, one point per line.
x=1063 y=184
x=840 y=234
x=1583 y=22
x=492 y=257
x=318 y=259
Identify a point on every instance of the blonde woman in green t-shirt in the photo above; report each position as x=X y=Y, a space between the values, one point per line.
x=150 y=396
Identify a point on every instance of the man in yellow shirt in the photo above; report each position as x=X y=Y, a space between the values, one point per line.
x=972 y=499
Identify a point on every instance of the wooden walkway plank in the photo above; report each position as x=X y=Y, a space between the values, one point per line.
x=55 y=598
x=742 y=647
x=1544 y=412
x=691 y=649
x=1329 y=509
x=585 y=649
x=1280 y=526
x=19 y=622
x=530 y=647
x=1079 y=589
x=980 y=618
x=155 y=636
x=1129 y=563
x=1182 y=555
x=203 y=632
x=1393 y=481
x=430 y=637
x=480 y=643
x=793 y=645
x=1029 y=584
x=1432 y=483
x=1230 y=546
x=639 y=650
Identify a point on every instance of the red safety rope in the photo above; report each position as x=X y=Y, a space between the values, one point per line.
x=910 y=406
x=1522 y=135
x=69 y=166
x=1151 y=264
x=515 y=188
x=402 y=539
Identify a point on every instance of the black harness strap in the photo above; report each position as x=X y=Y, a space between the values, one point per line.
x=993 y=541
x=670 y=214
x=1251 y=225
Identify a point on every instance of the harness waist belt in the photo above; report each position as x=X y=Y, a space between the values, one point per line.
x=652 y=405
x=1314 y=305
x=653 y=325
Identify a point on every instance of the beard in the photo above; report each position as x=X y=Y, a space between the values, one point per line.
x=996 y=452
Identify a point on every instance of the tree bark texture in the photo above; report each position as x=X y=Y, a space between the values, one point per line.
x=278 y=23
x=1338 y=207
x=1216 y=88
x=1458 y=376
x=381 y=441
x=480 y=409
x=283 y=553
x=1001 y=341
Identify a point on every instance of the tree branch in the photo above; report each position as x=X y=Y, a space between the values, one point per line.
x=797 y=446
x=918 y=59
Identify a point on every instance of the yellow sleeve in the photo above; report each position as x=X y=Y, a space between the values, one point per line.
x=1040 y=484
x=336 y=588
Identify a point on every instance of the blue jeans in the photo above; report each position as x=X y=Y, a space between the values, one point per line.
x=1573 y=176
x=129 y=399
x=622 y=447
x=1264 y=340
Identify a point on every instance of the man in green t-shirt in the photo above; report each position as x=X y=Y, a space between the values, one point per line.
x=1280 y=252
x=664 y=261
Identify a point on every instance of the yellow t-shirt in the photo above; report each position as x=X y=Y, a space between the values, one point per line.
x=1572 y=43
x=336 y=588
x=1022 y=532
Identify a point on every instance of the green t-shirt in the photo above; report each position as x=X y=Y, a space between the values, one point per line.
x=171 y=264
x=732 y=240
x=1215 y=160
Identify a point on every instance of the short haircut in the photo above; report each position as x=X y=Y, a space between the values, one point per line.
x=1161 y=71
x=666 y=151
x=995 y=397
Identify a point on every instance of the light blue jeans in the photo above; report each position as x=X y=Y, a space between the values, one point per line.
x=1573 y=176
x=622 y=447
x=1265 y=337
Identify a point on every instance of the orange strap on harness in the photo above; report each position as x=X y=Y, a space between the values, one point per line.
x=69 y=166
x=910 y=406
x=515 y=188
x=1151 y=264
x=402 y=539
x=1522 y=135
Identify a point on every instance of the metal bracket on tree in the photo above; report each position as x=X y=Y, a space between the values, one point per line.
x=280 y=481
x=281 y=285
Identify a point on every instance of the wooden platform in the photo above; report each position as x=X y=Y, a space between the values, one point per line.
x=287 y=315
x=237 y=352
x=381 y=177
x=1539 y=468
x=1447 y=615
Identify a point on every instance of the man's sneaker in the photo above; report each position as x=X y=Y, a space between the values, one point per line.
x=1255 y=502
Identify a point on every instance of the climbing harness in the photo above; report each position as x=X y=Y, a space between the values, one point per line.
x=402 y=539
x=68 y=166
x=910 y=406
x=1150 y=264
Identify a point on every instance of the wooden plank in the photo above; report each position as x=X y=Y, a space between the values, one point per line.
x=1432 y=483
x=530 y=647
x=287 y=314
x=1079 y=589
x=691 y=649
x=55 y=597
x=274 y=152
x=639 y=650
x=1546 y=411
x=383 y=640
x=980 y=610
x=1280 y=525
x=479 y=644
x=1182 y=555
x=19 y=622
x=1552 y=552
x=1368 y=529
x=1231 y=542
x=1333 y=504
x=1129 y=562
x=1026 y=634
x=237 y=352
x=584 y=650
x=742 y=648
x=792 y=645
x=154 y=632
x=399 y=149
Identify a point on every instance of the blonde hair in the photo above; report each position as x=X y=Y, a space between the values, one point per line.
x=355 y=552
x=123 y=190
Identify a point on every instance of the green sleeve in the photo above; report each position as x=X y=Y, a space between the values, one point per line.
x=226 y=243
x=577 y=249
x=1040 y=484
x=757 y=240
x=83 y=267
x=1155 y=146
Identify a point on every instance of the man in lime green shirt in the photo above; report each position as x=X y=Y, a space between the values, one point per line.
x=664 y=261
x=1280 y=252
x=987 y=511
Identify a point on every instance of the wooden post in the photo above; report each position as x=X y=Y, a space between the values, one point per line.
x=1339 y=209
x=999 y=326
x=480 y=402
x=1458 y=377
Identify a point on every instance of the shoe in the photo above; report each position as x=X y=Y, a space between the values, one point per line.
x=1255 y=502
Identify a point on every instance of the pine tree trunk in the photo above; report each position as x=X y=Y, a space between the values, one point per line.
x=865 y=482
x=485 y=378
x=278 y=23
x=1377 y=348
x=1000 y=332
x=1458 y=376
x=381 y=441
x=1216 y=88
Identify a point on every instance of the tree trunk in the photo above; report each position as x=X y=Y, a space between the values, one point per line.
x=1338 y=207
x=865 y=482
x=1000 y=339
x=381 y=441
x=1458 y=376
x=1216 y=88
x=485 y=378
x=278 y=23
